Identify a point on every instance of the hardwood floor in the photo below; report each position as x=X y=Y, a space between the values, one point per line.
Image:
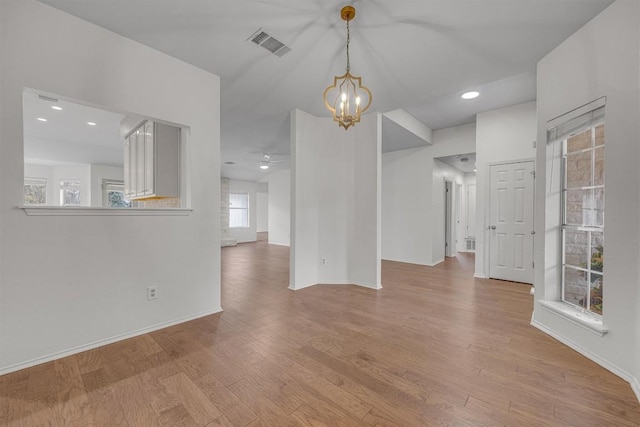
x=433 y=347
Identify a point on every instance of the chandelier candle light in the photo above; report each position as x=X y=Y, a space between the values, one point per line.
x=344 y=97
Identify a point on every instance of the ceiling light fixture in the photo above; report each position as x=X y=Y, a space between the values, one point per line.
x=91 y=123
x=264 y=164
x=55 y=107
x=41 y=119
x=347 y=90
x=470 y=95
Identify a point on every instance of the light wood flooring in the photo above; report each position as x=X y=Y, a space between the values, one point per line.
x=434 y=347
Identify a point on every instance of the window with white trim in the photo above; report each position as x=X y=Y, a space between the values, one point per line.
x=238 y=210
x=583 y=205
x=69 y=192
x=113 y=194
x=35 y=191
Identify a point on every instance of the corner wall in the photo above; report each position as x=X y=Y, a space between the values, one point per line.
x=69 y=283
x=335 y=202
x=600 y=60
x=407 y=196
x=502 y=136
x=279 y=207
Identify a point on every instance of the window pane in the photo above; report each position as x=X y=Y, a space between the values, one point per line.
x=597 y=251
x=238 y=200
x=576 y=248
x=585 y=207
x=579 y=169
x=35 y=194
x=598 y=173
x=579 y=141
x=238 y=218
x=69 y=192
x=600 y=135
x=116 y=199
x=575 y=286
x=596 y=293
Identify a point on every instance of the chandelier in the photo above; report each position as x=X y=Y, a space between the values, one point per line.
x=344 y=98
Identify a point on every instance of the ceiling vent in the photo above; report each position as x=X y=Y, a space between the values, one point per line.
x=47 y=98
x=267 y=41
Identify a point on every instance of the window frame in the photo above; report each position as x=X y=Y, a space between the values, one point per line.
x=106 y=183
x=582 y=227
x=36 y=181
x=247 y=209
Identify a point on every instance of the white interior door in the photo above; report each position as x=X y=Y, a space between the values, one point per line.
x=511 y=222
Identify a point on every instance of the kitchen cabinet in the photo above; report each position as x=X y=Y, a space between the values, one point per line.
x=152 y=161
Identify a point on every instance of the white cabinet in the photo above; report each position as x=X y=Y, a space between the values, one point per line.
x=152 y=161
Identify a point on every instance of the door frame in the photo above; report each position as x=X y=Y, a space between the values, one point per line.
x=486 y=228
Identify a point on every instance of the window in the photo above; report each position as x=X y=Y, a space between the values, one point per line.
x=35 y=191
x=583 y=202
x=113 y=194
x=238 y=210
x=69 y=192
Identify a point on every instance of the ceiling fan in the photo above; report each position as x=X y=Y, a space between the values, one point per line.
x=268 y=160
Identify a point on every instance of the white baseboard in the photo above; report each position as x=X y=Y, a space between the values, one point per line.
x=433 y=264
x=279 y=244
x=479 y=276
x=336 y=282
x=635 y=386
x=100 y=343
x=368 y=285
x=589 y=355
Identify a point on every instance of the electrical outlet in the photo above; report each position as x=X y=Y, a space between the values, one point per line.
x=323 y=261
x=152 y=292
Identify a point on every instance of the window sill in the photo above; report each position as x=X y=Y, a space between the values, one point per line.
x=585 y=320
x=93 y=211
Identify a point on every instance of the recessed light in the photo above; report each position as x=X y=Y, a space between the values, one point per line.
x=55 y=107
x=470 y=95
x=264 y=166
x=91 y=123
x=41 y=119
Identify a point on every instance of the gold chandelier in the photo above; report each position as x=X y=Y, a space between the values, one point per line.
x=344 y=97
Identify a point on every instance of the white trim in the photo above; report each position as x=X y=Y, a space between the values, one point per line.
x=278 y=244
x=479 y=276
x=100 y=343
x=93 y=211
x=368 y=285
x=586 y=353
x=635 y=386
x=568 y=312
x=337 y=282
x=435 y=263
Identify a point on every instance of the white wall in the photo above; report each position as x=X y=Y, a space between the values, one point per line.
x=262 y=212
x=502 y=136
x=73 y=282
x=99 y=173
x=601 y=59
x=279 y=207
x=248 y=234
x=441 y=173
x=407 y=195
x=335 y=192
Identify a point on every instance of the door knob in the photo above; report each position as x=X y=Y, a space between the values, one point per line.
x=493 y=227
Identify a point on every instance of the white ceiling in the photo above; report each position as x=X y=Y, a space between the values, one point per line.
x=418 y=55
x=463 y=162
x=66 y=138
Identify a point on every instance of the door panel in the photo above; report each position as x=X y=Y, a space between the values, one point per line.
x=511 y=222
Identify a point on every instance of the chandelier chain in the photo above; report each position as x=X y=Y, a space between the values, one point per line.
x=348 y=39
